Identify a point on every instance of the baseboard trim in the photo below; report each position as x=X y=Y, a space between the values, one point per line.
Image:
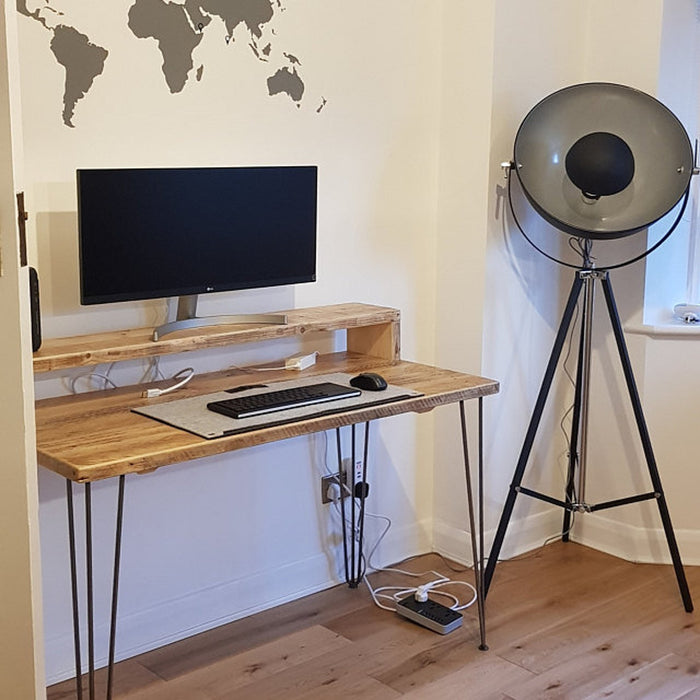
x=522 y=536
x=204 y=609
x=636 y=544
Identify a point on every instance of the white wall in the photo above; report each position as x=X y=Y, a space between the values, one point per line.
x=222 y=537
x=538 y=49
x=660 y=64
x=21 y=653
x=463 y=211
x=531 y=55
x=679 y=72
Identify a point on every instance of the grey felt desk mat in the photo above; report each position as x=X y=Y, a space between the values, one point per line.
x=192 y=414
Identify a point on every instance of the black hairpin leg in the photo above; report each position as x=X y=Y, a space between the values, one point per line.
x=74 y=591
x=115 y=586
x=89 y=590
x=353 y=531
x=477 y=547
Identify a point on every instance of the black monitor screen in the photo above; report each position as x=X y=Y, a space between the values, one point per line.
x=148 y=233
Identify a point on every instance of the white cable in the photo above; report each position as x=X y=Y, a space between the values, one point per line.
x=152 y=372
x=421 y=591
x=89 y=375
x=152 y=393
x=103 y=377
x=257 y=369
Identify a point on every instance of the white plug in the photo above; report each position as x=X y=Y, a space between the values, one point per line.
x=300 y=362
x=333 y=492
x=421 y=594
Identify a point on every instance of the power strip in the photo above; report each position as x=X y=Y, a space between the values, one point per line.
x=430 y=614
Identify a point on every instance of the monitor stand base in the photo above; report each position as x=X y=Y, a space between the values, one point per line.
x=187 y=318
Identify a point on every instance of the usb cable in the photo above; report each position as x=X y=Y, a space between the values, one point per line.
x=188 y=372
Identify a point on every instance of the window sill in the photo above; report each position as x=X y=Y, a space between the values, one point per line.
x=672 y=329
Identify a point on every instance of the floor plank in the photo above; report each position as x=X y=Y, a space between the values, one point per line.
x=601 y=626
x=228 y=677
x=562 y=622
x=473 y=680
x=669 y=677
x=130 y=675
x=176 y=659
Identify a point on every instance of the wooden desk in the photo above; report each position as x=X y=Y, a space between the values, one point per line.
x=92 y=436
x=122 y=442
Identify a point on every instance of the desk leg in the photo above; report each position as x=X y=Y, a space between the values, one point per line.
x=115 y=586
x=353 y=542
x=477 y=548
x=89 y=589
x=74 y=591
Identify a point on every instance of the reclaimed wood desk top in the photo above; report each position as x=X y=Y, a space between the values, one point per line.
x=358 y=319
x=92 y=436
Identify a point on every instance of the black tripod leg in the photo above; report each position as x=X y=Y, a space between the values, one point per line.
x=532 y=430
x=646 y=443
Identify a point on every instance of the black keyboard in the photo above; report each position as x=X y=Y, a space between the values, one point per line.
x=281 y=399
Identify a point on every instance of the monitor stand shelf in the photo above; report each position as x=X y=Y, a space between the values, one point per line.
x=371 y=330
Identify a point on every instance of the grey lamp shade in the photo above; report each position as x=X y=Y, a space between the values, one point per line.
x=601 y=160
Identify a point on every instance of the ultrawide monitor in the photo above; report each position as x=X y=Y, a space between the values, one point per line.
x=161 y=232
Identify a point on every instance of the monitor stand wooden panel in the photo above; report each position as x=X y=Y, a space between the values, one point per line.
x=371 y=330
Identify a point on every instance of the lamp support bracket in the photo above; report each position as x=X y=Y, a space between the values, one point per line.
x=624 y=263
x=590 y=274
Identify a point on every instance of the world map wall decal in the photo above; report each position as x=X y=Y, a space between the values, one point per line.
x=177 y=28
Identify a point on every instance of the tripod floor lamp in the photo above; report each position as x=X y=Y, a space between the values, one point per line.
x=598 y=161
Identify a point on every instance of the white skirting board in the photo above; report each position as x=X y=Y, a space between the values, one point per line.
x=530 y=533
x=642 y=545
x=202 y=610
x=638 y=544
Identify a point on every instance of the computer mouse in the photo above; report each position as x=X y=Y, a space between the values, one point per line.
x=369 y=381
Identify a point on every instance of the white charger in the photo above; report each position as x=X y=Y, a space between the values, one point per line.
x=300 y=362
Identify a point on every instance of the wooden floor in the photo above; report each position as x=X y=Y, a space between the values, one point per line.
x=563 y=622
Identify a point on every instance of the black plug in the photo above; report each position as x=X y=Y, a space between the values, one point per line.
x=361 y=489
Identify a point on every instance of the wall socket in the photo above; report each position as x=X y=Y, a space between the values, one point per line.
x=347 y=474
x=347 y=463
